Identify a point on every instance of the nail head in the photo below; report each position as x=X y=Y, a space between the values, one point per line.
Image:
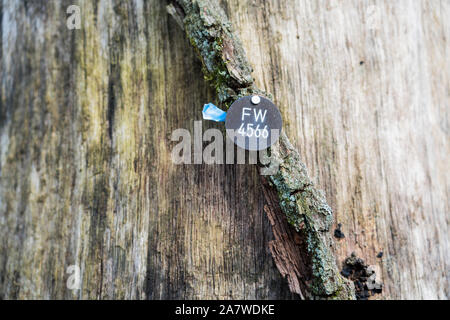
x=256 y=99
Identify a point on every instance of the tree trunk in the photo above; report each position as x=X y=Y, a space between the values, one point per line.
x=87 y=180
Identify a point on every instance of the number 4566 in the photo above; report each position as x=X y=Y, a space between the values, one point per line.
x=250 y=131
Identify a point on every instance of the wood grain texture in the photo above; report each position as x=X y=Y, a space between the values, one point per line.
x=304 y=207
x=365 y=90
x=86 y=177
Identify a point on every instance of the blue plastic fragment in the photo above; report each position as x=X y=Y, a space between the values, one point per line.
x=211 y=112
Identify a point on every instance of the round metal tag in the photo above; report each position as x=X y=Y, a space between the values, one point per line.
x=253 y=123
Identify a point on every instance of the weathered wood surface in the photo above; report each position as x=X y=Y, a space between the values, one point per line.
x=365 y=87
x=299 y=203
x=85 y=123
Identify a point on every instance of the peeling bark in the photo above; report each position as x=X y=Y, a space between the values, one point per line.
x=305 y=207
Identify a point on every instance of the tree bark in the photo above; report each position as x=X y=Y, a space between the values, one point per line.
x=304 y=207
x=86 y=176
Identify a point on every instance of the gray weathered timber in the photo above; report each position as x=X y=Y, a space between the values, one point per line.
x=86 y=173
x=363 y=87
x=86 y=177
x=226 y=66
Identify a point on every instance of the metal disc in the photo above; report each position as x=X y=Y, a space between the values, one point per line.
x=253 y=123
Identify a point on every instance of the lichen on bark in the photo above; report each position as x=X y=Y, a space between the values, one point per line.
x=224 y=62
x=225 y=65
